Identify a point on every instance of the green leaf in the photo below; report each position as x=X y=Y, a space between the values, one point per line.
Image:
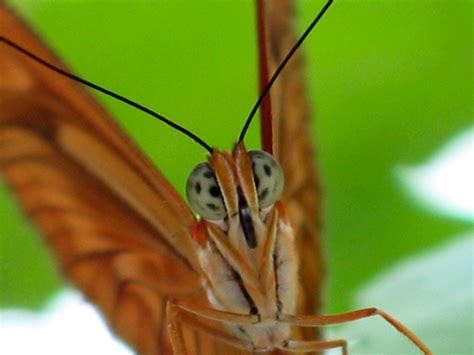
x=431 y=293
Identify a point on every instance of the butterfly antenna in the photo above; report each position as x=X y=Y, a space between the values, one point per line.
x=107 y=92
x=285 y=61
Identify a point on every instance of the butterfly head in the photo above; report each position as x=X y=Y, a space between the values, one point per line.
x=236 y=188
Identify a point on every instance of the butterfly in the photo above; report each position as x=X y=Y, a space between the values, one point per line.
x=167 y=280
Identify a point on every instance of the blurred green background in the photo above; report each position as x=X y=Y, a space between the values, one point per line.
x=389 y=81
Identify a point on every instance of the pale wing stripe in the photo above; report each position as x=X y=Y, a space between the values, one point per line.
x=49 y=205
x=111 y=170
x=106 y=165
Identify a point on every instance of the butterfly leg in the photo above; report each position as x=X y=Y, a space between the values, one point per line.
x=187 y=312
x=317 y=321
x=298 y=346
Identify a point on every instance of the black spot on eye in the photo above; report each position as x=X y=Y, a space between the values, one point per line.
x=267 y=169
x=212 y=206
x=214 y=191
x=263 y=194
x=198 y=188
x=257 y=182
x=208 y=174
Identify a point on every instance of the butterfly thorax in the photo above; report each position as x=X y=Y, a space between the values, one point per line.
x=248 y=260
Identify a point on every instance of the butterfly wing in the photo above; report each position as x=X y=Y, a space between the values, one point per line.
x=118 y=229
x=286 y=131
x=64 y=156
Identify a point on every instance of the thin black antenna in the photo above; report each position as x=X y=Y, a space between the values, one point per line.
x=107 y=92
x=280 y=68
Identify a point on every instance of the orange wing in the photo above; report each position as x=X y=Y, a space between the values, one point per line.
x=118 y=229
x=288 y=135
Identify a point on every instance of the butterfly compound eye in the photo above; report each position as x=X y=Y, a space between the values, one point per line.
x=204 y=194
x=268 y=177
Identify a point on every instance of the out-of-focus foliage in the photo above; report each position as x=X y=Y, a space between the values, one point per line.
x=391 y=81
x=441 y=313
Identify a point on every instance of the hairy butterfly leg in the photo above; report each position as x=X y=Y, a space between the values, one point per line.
x=317 y=321
x=179 y=312
x=299 y=346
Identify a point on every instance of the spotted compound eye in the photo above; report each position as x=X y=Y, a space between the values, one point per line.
x=268 y=177
x=203 y=193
